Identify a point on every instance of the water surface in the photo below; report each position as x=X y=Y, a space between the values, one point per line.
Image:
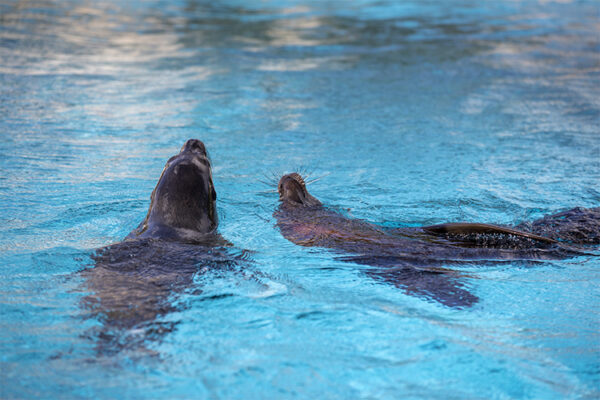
x=413 y=112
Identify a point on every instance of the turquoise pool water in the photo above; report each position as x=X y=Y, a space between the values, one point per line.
x=412 y=112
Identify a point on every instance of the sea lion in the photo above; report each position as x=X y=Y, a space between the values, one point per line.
x=134 y=282
x=410 y=255
x=183 y=203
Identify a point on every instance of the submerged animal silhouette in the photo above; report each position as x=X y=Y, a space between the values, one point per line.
x=415 y=259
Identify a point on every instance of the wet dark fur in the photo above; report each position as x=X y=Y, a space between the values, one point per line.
x=134 y=283
x=414 y=258
x=183 y=203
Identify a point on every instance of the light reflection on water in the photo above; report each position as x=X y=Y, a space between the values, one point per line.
x=415 y=113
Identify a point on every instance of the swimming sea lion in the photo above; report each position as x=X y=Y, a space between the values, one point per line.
x=410 y=255
x=134 y=282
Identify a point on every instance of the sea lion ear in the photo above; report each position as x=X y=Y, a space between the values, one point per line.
x=214 y=194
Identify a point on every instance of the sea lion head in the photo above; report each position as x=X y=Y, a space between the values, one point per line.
x=184 y=200
x=292 y=190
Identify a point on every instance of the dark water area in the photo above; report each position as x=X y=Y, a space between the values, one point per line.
x=412 y=113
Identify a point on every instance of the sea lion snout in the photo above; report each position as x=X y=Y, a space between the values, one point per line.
x=292 y=189
x=196 y=168
x=194 y=146
x=193 y=162
x=194 y=154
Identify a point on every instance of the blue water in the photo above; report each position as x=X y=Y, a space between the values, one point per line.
x=412 y=113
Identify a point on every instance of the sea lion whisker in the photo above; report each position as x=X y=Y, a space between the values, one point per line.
x=270 y=180
x=265 y=182
x=317 y=179
x=267 y=177
x=304 y=172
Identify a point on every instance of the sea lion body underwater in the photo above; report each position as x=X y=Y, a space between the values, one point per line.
x=305 y=221
x=415 y=258
x=133 y=282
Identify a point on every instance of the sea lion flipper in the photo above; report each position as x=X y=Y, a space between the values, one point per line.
x=428 y=283
x=466 y=228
